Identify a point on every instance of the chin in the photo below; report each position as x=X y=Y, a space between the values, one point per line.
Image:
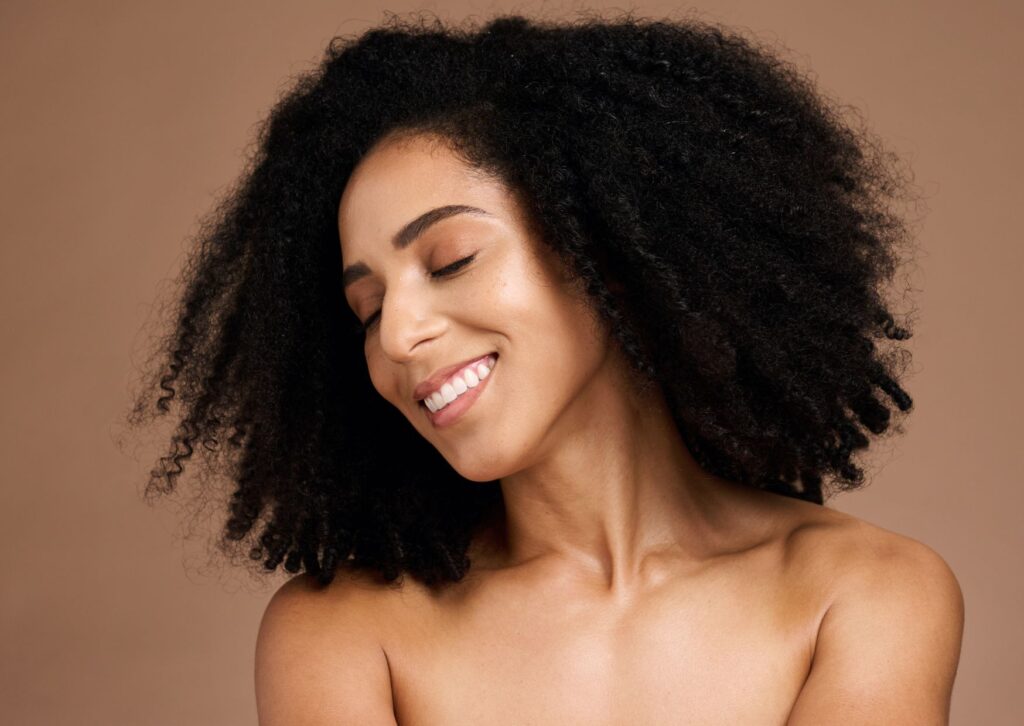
x=479 y=471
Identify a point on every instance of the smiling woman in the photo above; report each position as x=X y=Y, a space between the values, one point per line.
x=450 y=292
x=579 y=326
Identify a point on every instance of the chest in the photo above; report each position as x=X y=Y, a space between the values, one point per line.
x=728 y=651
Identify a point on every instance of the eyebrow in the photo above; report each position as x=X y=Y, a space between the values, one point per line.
x=408 y=234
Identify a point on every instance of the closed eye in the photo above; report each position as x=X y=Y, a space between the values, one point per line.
x=443 y=272
x=454 y=267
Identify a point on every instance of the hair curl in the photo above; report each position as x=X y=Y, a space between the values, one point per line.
x=751 y=228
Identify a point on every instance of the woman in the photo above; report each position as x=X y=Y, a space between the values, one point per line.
x=578 y=326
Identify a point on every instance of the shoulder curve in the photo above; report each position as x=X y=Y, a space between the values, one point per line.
x=851 y=556
x=319 y=656
x=851 y=542
x=900 y=565
x=862 y=548
x=889 y=639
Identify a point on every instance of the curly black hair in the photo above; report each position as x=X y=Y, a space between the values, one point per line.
x=751 y=222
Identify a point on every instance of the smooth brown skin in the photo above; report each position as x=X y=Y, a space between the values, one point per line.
x=625 y=585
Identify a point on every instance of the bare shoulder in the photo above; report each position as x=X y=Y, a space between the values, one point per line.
x=319 y=657
x=853 y=553
x=888 y=640
x=344 y=607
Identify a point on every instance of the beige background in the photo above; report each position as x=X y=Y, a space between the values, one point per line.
x=121 y=121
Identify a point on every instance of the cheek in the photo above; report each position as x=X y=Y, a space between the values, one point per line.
x=528 y=294
x=556 y=341
x=379 y=376
x=543 y=310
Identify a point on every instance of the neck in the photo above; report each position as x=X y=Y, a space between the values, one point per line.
x=614 y=497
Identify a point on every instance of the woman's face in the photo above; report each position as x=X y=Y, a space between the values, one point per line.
x=503 y=294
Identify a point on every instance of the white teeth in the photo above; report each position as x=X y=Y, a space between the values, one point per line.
x=470 y=377
x=437 y=399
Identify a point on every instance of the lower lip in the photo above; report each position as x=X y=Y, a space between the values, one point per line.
x=454 y=410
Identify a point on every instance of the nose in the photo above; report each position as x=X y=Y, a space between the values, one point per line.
x=407 y=318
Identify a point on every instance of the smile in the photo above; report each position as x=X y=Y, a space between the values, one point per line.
x=459 y=392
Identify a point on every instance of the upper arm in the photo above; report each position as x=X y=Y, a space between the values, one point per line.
x=888 y=647
x=318 y=660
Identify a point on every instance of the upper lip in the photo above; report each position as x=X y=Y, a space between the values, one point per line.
x=434 y=381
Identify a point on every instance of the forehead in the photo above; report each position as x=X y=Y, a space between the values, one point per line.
x=399 y=180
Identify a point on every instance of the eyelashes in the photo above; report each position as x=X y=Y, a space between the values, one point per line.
x=443 y=272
